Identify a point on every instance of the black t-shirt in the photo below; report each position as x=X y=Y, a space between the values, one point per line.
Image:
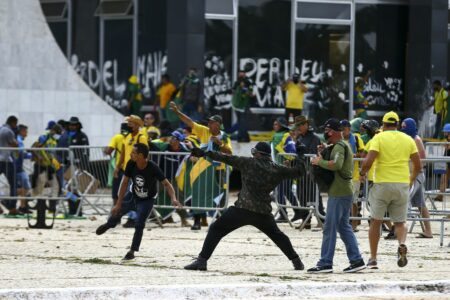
x=144 y=181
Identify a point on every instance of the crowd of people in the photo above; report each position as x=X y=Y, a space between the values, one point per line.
x=391 y=168
x=50 y=168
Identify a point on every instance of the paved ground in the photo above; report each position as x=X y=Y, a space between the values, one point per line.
x=71 y=255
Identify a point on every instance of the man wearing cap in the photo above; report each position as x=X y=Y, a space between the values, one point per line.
x=259 y=175
x=211 y=138
x=305 y=136
x=340 y=198
x=392 y=179
x=133 y=137
x=295 y=94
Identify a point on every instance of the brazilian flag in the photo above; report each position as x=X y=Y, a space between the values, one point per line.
x=206 y=184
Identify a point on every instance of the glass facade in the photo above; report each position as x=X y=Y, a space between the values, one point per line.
x=380 y=51
x=263 y=52
x=218 y=67
x=322 y=60
x=322 y=55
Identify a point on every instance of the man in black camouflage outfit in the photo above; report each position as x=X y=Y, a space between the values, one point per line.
x=260 y=175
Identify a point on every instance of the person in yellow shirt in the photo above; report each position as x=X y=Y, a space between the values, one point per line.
x=149 y=129
x=211 y=137
x=440 y=107
x=116 y=145
x=133 y=137
x=164 y=94
x=392 y=179
x=295 y=94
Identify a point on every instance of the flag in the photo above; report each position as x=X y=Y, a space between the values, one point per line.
x=206 y=184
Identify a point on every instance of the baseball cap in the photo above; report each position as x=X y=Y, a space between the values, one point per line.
x=333 y=124
x=345 y=123
x=178 y=135
x=391 y=117
x=215 y=118
x=50 y=125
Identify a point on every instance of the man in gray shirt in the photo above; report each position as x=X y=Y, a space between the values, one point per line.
x=7 y=167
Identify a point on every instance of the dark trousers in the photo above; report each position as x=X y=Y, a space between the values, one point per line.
x=9 y=170
x=242 y=123
x=284 y=190
x=438 y=126
x=143 y=207
x=234 y=218
x=116 y=185
x=295 y=112
x=307 y=193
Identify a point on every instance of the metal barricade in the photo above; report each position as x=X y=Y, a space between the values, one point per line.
x=92 y=177
x=35 y=174
x=93 y=171
x=200 y=184
x=432 y=170
x=300 y=193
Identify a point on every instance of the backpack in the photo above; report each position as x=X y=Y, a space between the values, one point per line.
x=323 y=177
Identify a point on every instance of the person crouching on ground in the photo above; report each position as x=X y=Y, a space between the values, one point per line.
x=144 y=174
x=259 y=175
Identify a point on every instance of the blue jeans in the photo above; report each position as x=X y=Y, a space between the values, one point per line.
x=337 y=220
x=284 y=191
x=143 y=207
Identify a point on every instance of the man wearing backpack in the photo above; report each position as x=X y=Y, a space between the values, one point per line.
x=340 y=197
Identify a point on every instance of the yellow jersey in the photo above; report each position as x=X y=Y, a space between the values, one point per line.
x=394 y=151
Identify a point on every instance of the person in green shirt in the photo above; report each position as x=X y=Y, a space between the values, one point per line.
x=242 y=93
x=340 y=198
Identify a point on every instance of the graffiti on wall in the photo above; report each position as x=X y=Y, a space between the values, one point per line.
x=217 y=83
x=325 y=84
x=150 y=67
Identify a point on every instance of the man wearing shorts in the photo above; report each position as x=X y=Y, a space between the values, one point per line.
x=392 y=150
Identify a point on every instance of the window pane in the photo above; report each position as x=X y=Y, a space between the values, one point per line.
x=54 y=9
x=224 y=7
x=108 y=8
x=117 y=66
x=323 y=10
x=380 y=47
x=264 y=52
x=322 y=60
x=218 y=68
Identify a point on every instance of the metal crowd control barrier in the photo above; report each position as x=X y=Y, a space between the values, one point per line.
x=200 y=184
x=36 y=174
x=430 y=169
x=301 y=193
x=93 y=179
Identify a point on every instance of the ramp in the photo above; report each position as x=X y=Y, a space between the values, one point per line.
x=37 y=83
